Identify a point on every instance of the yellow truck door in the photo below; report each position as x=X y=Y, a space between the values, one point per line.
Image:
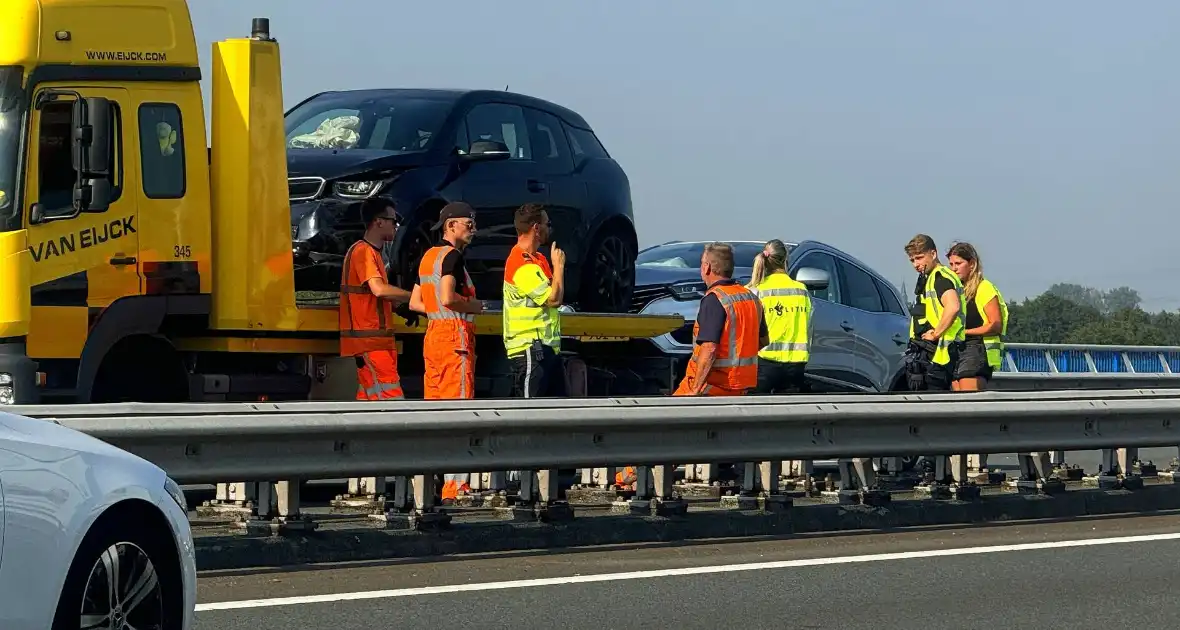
x=79 y=264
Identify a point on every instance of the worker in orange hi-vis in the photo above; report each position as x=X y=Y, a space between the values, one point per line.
x=728 y=333
x=366 y=306
x=446 y=295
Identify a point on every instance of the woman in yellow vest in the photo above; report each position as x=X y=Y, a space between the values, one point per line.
x=786 y=308
x=986 y=321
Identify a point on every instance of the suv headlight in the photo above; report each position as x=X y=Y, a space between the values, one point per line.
x=7 y=389
x=357 y=190
x=688 y=290
x=174 y=491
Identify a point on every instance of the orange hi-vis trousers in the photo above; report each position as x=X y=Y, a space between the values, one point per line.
x=377 y=377
x=448 y=351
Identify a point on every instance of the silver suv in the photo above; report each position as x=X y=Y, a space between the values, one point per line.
x=859 y=326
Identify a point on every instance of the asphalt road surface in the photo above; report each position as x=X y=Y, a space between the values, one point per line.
x=1086 y=573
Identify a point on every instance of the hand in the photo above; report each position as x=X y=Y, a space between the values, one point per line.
x=929 y=335
x=557 y=256
x=407 y=314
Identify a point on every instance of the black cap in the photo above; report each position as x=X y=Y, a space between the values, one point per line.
x=454 y=210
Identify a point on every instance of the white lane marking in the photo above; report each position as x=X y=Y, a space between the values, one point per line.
x=659 y=573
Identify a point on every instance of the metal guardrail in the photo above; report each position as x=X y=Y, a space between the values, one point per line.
x=267 y=442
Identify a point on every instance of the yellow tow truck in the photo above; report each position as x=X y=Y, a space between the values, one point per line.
x=138 y=264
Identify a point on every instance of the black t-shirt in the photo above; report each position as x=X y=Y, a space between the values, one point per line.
x=941 y=285
x=974 y=317
x=454 y=265
x=711 y=318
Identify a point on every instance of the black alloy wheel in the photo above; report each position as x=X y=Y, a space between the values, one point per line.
x=609 y=277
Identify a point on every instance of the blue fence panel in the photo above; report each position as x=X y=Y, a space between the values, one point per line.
x=1173 y=359
x=1028 y=360
x=1108 y=361
x=1146 y=362
x=1070 y=360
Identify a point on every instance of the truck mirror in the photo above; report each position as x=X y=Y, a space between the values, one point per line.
x=92 y=137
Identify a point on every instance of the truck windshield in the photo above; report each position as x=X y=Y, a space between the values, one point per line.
x=397 y=124
x=12 y=107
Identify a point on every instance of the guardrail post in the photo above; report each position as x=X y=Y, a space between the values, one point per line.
x=797 y=475
x=594 y=485
x=362 y=492
x=1117 y=470
x=1036 y=475
x=540 y=494
x=858 y=483
x=951 y=480
x=234 y=499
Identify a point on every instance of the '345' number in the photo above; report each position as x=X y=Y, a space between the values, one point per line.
x=182 y=251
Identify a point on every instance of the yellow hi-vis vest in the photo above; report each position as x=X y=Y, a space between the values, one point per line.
x=525 y=316
x=933 y=314
x=786 y=306
x=993 y=343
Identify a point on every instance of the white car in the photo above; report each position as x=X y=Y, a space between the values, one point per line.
x=91 y=536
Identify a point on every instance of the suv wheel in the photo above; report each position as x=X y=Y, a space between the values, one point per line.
x=608 y=274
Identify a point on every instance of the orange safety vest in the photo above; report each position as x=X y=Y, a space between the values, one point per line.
x=430 y=281
x=366 y=321
x=735 y=363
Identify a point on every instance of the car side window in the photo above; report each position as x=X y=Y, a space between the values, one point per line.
x=584 y=144
x=500 y=122
x=161 y=150
x=828 y=264
x=55 y=165
x=550 y=148
x=860 y=291
x=462 y=145
x=889 y=299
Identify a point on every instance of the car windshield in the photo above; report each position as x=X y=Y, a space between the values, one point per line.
x=397 y=124
x=11 y=110
x=688 y=255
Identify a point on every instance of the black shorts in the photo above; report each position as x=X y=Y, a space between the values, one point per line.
x=973 y=361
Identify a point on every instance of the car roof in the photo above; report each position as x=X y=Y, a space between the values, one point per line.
x=460 y=96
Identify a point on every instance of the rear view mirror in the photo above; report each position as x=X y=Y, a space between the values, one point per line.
x=485 y=150
x=812 y=278
x=90 y=152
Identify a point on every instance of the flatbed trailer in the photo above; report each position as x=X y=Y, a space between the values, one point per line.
x=138 y=263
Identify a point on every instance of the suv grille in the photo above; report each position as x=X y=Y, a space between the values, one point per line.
x=304 y=188
x=642 y=296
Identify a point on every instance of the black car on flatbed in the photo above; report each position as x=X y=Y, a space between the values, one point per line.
x=424 y=148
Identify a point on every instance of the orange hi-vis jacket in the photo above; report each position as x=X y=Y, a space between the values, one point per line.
x=366 y=321
x=735 y=363
x=449 y=345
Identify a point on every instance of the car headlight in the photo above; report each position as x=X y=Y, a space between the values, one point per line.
x=688 y=290
x=357 y=190
x=672 y=306
x=309 y=225
x=7 y=389
x=174 y=491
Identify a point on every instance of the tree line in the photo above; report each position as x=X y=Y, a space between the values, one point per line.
x=1072 y=313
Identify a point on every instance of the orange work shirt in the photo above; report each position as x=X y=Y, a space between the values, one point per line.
x=366 y=321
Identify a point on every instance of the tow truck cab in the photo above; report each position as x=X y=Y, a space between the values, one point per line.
x=135 y=264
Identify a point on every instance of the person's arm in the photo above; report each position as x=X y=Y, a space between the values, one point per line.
x=763 y=332
x=994 y=323
x=951 y=305
x=558 y=293
x=536 y=288
x=452 y=299
x=710 y=326
x=374 y=277
x=416 y=303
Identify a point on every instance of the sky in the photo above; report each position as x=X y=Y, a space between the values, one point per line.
x=1047 y=133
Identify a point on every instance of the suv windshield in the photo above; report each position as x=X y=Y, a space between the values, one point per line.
x=11 y=110
x=398 y=124
x=688 y=255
